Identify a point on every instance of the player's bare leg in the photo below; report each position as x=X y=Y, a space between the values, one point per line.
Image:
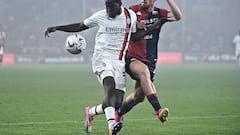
x=113 y=98
x=135 y=97
x=144 y=87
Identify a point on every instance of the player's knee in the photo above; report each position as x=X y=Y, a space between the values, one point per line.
x=109 y=100
x=108 y=84
x=106 y=102
x=144 y=74
x=118 y=97
x=118 y=103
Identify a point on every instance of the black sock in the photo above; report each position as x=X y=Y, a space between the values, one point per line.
x=153 y=99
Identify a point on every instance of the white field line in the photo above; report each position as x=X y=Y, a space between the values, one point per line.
x=147 y=119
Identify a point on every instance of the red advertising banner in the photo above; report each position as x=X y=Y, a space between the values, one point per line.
x=170 y=57
x=8 y=59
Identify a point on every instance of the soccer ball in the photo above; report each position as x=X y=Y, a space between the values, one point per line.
x=75 y=44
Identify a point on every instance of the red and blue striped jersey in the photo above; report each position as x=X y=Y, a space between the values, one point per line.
x=146 y=48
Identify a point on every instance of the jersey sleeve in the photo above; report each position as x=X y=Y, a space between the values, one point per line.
x=135 y=8
x=91 y=21
x=164 y=12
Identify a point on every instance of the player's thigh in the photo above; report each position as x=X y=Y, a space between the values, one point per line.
x=138 y=68
x=111 y=68
x=102 y=67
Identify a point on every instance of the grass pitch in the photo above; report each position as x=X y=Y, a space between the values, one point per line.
x=50 y=100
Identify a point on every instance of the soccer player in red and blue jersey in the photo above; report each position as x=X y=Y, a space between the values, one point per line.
x=141 y=57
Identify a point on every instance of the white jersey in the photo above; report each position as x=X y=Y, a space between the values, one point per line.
x=236 y=41
x=112 y=36
x=111 y=43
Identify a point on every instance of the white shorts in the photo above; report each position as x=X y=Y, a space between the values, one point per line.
x=103 y=67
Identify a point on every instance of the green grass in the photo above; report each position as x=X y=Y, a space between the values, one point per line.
x=50 y=100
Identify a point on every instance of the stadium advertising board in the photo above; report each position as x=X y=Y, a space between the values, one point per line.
x=170 y=57
x=8 y=59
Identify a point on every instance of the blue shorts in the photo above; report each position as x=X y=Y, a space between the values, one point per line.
x=151 y=68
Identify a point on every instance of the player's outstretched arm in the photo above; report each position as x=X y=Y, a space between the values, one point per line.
x=175 y=13
x=145 y=31
x=76 y=27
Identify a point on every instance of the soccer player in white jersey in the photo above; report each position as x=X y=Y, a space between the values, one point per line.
x=115 y=25
x=236 y=42
x=2 y=43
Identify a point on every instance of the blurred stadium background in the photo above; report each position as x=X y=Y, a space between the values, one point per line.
x=49 y=99
x=204 y=34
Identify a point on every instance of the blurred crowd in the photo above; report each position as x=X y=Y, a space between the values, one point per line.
x=207 y=26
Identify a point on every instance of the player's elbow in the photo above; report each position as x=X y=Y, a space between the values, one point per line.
x=178 y=16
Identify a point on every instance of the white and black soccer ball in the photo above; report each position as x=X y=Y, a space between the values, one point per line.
x=75 y=44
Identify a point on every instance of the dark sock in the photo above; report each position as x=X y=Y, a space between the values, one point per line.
x=153 y=99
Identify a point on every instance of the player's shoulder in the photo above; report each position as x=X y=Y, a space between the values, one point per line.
x=164 y=12
x=136 y=7
x=100 y=13
x=131 y=11
x=93 y=20
x=163 y=9
x=132 y=14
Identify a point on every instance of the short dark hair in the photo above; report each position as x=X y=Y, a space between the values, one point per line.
x=117 y=1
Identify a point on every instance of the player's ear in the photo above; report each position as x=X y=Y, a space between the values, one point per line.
x=120 y=3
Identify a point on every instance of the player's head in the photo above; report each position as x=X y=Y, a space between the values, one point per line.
x=147 y=3
x=113 y=7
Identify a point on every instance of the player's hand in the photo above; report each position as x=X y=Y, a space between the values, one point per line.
x=50 y=30
x=142 y=25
